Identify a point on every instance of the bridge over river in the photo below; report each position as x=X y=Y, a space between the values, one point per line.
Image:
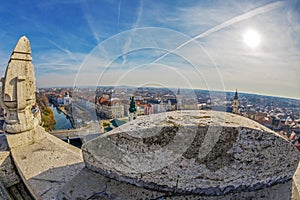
x=85 y=133
x=65 y=131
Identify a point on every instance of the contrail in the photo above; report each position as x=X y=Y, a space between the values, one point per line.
x=134 y=26
x=88 y=19
x=95 y=34
x=119 y=12
x=230 y=22
x=68 y=52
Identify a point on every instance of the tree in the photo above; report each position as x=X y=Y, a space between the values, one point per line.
x=48 y=119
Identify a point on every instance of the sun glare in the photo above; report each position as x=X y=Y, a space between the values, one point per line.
x=251 y=38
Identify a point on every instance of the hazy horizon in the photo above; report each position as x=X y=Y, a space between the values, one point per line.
x=174 y=89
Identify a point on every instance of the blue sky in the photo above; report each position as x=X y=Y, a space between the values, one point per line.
x=192 y=44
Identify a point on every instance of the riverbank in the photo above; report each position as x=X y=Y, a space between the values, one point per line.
x=64 y=120
x=69 y=115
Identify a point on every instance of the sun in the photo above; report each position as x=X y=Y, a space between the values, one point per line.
x=251 y=38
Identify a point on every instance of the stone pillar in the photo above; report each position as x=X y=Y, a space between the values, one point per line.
x=18 y=90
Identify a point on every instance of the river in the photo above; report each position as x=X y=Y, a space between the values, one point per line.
x=61 y=120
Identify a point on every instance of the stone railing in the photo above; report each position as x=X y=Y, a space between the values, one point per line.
x=296 y=184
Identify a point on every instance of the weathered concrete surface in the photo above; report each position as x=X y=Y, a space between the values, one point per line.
x=296 y=184
x=200 y=152
x=92 y=185
x=46 y=164
x=8 y=174
x=3 y=193
x=3 y=143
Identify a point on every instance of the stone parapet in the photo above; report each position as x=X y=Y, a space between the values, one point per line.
x=46 y=164
x=193 y=152
x=296 y=184
x=8 y=174
x=4 y=195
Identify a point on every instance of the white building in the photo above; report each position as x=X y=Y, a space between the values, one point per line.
x=67 y=99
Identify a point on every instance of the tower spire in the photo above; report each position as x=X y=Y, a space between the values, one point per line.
x=236 y=95
x=235 y=106
x=178 y=91
x=132 y=109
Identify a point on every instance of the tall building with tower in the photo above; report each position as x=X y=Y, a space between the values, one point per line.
x=132 y=109
x=179 y=98
x=235 y=105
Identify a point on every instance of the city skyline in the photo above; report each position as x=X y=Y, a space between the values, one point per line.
x=253 y=46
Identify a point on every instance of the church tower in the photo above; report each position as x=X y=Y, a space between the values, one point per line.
x=235 y=105
x=132 y=110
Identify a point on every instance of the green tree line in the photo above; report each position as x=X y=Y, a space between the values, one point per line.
x=48 y=119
